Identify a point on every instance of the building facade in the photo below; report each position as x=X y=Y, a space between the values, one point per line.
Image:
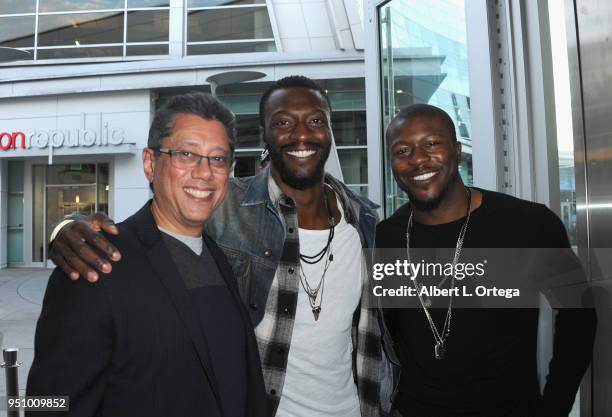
x=74 y=119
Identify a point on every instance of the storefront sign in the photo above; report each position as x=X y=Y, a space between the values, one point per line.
x=9 y=140
x=60 y=138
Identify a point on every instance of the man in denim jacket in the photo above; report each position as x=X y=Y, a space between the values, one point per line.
x=292 y=235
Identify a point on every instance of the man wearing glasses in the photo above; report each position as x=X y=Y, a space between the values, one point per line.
x=166 y=334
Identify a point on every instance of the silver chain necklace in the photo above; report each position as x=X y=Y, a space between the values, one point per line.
x=440 y=337
x=317 y=292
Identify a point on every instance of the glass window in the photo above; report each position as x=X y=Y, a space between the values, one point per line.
x=228 y=24
x=563 y=114
x=80 y=29
x=17 y=6
x=103 y=187
x=67 y=53
x=354 y=163
x=63 y=201
x=102 y=22
x=228 y=48
x=424 y=60
x=147 y=26
x=15 y=212
x=135 y=50
x=148 y=3
x=65 y=6
x=15 y=246
x=246 y=165
x=349 y=127
x=71 y=174
x=214 y=3
x=38 y=233
x=17 y=32
x=243 y=103
x=15 y=177
x=359 y=189
x=248 y=131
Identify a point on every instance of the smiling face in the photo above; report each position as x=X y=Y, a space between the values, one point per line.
x=424 y=159
x=185 y=198
x=298 y=134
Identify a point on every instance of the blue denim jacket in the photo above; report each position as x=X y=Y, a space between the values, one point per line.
x=251 y=231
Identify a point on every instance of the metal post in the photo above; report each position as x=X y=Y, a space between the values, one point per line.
x=11 y=366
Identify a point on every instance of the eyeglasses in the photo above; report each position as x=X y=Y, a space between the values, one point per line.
x=187 y=159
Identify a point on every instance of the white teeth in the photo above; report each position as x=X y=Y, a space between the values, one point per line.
x=302 y=154
x=424 y=177
x=197 y=193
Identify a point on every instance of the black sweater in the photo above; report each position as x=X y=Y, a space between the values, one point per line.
x=491 y=364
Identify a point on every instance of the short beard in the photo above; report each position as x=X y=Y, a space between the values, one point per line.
x=295 y=181
x=434 y=202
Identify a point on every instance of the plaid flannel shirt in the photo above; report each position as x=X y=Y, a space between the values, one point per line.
x=280 y=278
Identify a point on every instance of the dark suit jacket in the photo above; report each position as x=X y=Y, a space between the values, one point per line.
x=131 y=345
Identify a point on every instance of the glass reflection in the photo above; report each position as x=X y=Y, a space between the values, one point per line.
x=148 y=3
x=246 y=165
x=423 y=58
x=248 y=131
x=148 y=26
x=76 y=5
x=354 y=163
x=228 y=24
x=38 y=207
x=349 y=127
x=71 y=174
x=68 y=53
x=213 y=3
x=230 y=48
x=139 y=50
x=17 y=6
x=17 y=32
x=80 y=29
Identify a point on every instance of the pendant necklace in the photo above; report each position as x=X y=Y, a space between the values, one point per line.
x=316 y=292
x=440 y=336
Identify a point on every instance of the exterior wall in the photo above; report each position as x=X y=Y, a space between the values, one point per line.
x=331 y=29
x=321 y=39
x=60 y=119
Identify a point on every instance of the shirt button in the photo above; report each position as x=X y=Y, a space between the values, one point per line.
x=286 y=310
x=291 y=230
x=273 y=391
x=253 y=306
x=268 y=253
x=291 y=270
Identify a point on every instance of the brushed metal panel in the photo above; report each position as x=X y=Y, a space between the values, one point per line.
x=593 y=19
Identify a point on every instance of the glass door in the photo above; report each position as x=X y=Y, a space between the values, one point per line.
x=61 y=190
x=424 y=59
x=15 y=213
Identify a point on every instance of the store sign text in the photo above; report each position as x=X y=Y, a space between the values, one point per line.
x=8 y=140
x=62 y=138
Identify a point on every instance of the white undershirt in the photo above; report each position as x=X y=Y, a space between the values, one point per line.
x=319 y=378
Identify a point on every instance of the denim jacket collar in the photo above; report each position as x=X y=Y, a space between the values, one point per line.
x=257 y=193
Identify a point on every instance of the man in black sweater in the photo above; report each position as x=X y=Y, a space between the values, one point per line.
x=166 y=334
x=483 y=361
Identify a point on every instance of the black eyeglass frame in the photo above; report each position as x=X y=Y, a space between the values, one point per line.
x=172 y=152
